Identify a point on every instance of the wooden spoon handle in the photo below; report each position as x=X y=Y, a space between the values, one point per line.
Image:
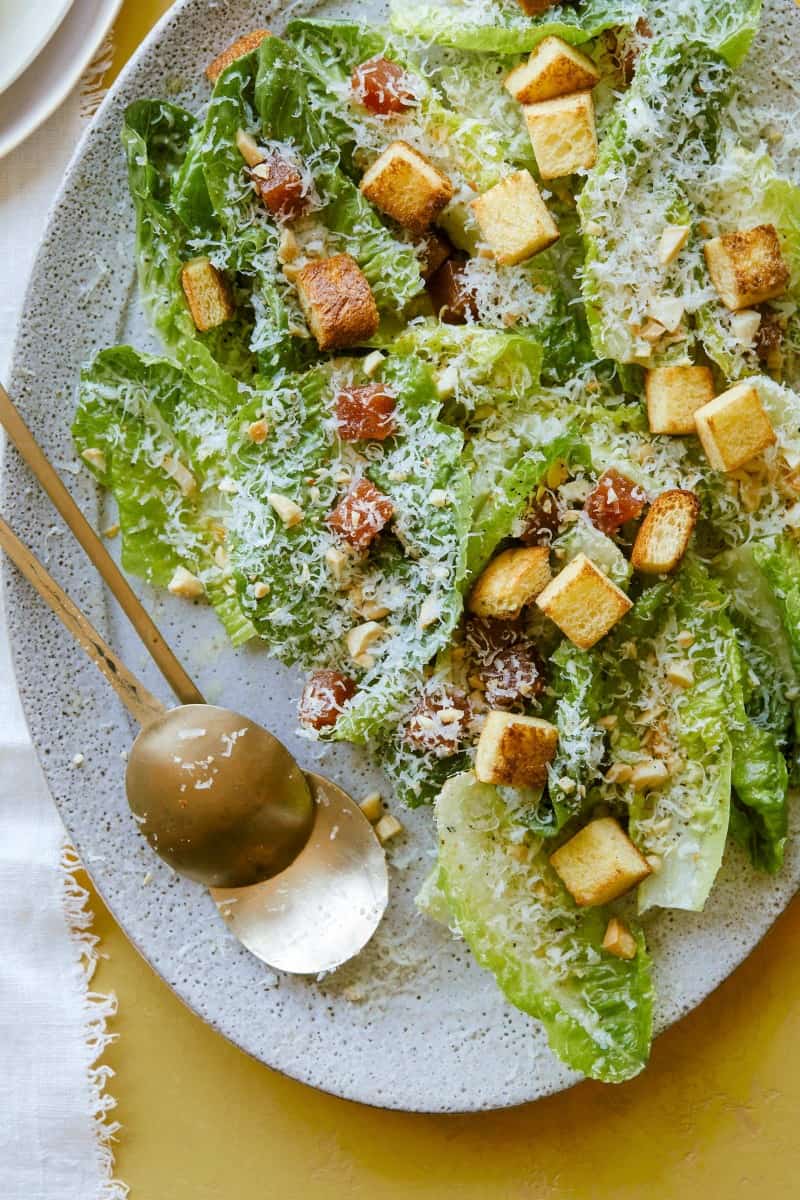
x=143 y=706
x=181 y=684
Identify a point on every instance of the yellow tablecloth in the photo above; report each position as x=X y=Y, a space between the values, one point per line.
x=715 y=1117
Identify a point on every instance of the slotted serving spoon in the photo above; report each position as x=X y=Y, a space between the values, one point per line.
x=292 y=863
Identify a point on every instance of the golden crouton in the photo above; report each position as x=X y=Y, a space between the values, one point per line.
x=207 y=294
x=515 y=750
x=406 y=185
x=747 y=267
x=554 y=69
x=664 y=536
x=599 y=863
x=583 y=602
x=674 y=395
x=514 y=220
x=618 y=940
x=337 y=301
x=512 y=580
x=562 y=133
x=734 y=428
x=238 y=49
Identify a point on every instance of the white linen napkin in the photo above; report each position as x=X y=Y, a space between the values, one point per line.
x=55 y=1136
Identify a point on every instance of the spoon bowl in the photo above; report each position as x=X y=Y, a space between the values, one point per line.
x=218 y=797
x=327 y=905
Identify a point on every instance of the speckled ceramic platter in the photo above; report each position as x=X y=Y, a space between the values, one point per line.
x=413 y=1024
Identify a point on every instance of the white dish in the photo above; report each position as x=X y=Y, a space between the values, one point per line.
x=24 y=30
x=52 y=75
x=413 y=1024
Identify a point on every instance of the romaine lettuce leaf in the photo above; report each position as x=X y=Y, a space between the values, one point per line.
x=416 y=571
x=765 y=633
x=664 y=134
x=743 y=190
x=156 y=136
x=507 y=469
x=163 y=438
x=545 y=952
x=502 y=27
x=215 y=166
x=685 y=823
x=289 y=110
x=760 y=781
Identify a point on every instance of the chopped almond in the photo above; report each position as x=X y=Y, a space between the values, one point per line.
x=619 y=940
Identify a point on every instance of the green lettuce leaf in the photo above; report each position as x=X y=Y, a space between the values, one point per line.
x=162 y=437
x=760 y=781
x=287 y=103
x=416 y=570
x=506 y=471
x=685 y=823
x=663 y=135
x=543 y=950
x=502 y=27
x=214 y=167
x=156 y=136
x=745 y=190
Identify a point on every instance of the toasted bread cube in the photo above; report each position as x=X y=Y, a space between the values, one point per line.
x=514 y=220
x=665 y=533
x=512 y=580
x=515 y=750
x=563 y=134
x=599 y=863
x=406 y=185
x=618 y=940
x=238 y=49
x=747 y=266
x=583 y=602
x=535 y=8
x=674 y=395
x=554 y=69
x=734 y=427
x=207 y=294
x=337 y=301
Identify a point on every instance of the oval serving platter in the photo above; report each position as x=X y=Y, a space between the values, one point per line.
x=413 y=1023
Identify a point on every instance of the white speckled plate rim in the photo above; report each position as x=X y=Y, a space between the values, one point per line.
x=413 y=1024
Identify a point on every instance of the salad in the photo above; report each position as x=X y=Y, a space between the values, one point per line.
x=479 y=402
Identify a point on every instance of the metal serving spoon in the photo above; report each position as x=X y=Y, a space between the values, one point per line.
x=292 y=862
